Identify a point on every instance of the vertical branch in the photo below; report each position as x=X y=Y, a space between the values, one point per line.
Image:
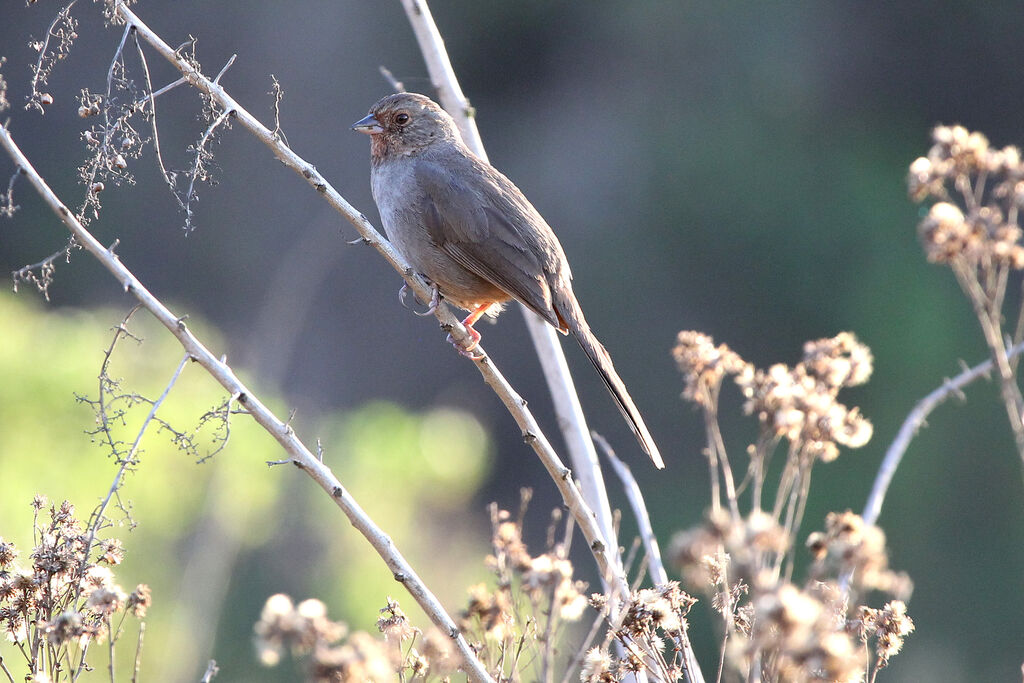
x=549 y=351
x=556 y=371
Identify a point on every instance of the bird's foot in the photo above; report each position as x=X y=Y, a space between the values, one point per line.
x=467 y=349
x=435 y=299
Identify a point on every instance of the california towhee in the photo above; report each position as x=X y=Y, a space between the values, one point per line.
x=470 y=231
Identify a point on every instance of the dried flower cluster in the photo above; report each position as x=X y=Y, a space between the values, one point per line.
x=989 y=182
x=532 y=598
x=704 y=366
x=749 y=546
x=888 y=626
x=509 y=623
x=800 y=403
x=849 y=547
x=652 y=624
x=67 y=598
x=793 y=633
x=305 y=630
x=973 y=227
x=775 y=630
x=800 y=635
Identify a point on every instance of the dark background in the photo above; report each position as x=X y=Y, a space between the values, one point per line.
x=734 y=168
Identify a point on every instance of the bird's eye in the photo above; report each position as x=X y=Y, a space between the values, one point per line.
x=402 y=119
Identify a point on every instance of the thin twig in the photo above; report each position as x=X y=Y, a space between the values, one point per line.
x=197 y=167
x=3 y=667
x=636 y=501
x=126 y=462
x=151 y=99
x=211 y=671
x=138 y=652
x=912 y=424
x=395 y=84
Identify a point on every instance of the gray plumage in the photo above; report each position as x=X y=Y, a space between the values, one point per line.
x=468 y=229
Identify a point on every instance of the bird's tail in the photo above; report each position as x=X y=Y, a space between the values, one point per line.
x=572 y=315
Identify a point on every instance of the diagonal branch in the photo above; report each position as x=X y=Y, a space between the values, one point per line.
x=219 y=370
x=516 y=405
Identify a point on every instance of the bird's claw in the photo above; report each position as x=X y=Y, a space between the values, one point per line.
x=467 y=350
x=435 y=299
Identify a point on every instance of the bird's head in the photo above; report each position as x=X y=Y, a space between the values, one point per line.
x=405 y=124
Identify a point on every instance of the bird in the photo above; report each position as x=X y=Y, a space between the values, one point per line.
x=471 y=232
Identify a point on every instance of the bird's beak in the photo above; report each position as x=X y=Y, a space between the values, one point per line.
x=368 y=125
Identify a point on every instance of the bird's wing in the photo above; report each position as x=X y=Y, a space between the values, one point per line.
x=486 y=225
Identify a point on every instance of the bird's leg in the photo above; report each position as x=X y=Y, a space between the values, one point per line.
x=435 y=299
x=467 y=350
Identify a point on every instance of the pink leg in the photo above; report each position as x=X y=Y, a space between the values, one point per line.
x=475 y=336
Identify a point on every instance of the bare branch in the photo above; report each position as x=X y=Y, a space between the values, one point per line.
x=636 y=502
x=395 y=84
x=913 y=423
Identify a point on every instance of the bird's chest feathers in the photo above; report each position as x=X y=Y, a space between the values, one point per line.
x=402 y=203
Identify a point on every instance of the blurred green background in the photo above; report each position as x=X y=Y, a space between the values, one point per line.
x=735 y=168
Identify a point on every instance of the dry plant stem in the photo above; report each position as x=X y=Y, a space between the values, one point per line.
x=219 y=370
x=717 y=454
x=128 y=461
x=211 y=672
x=138 y=652
x=914 y=421
x=3 y=667
x=1018 y=332
x=988 y=309
x=549 y=351
x=655 y=566
x=636 y=502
